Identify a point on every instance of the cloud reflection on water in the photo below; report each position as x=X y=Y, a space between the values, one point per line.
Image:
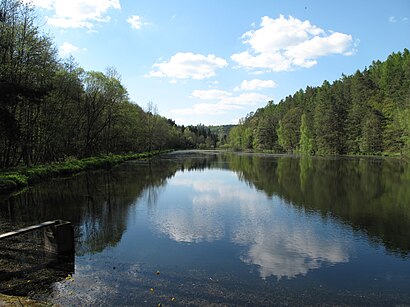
x=279 y=239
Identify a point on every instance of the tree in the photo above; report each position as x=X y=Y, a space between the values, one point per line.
x=28 y=62
x=150 y=123
x=128 y=132
x=235 y=137
x=372 y=138
x=265 y=135
x=306 y=140
x=61 y=117
x=288 y=131
x=325 y=122
x=404 y=122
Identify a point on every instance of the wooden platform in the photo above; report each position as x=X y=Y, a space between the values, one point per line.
x=58 y=236
x=28 y=229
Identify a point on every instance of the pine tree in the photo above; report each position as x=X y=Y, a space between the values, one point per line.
x=371 y=141
x=288 y=131
x=325 y=124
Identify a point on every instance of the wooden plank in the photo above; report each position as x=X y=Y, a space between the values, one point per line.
x=27 y=229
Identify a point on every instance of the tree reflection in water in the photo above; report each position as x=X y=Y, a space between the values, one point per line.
x=315 y=203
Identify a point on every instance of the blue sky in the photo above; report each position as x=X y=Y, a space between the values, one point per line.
x=214 y=61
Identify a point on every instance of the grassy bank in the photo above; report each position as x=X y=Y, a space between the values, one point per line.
x=20 y=177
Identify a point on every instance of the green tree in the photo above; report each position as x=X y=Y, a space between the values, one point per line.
x=325 y=122
x=265 y=135
x=288 y=131
x=61 y=116
x=404 y=122
x=28 y=62
x=371 y=139
x=306 y=139
x=236 y=137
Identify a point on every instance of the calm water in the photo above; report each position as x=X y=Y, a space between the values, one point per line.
x=223 y=229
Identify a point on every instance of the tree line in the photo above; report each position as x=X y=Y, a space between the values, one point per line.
x=367 y=113
x=52 y=109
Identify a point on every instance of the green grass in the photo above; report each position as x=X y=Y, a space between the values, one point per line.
x=11 y=180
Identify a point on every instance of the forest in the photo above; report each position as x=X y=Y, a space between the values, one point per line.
x=367 y=113
x=51 y=109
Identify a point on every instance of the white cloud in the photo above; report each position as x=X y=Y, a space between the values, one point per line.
x=277 y=34
x=210 y=94
x=335 y=43
x=67 y=49
x=188 y=65
x=135 y=22
x=77 y=13
x=393 y=19
x=206 y=109
x=224 y=102
x=284 y=44
x=246 y=99
x=255 y=84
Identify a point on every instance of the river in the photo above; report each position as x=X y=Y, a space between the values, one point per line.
x=202 y=228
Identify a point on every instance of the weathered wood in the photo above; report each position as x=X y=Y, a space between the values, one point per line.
x=27 y=229
x=59 y=239
x=58 y=236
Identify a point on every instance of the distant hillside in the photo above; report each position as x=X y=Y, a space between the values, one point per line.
x=364 y=113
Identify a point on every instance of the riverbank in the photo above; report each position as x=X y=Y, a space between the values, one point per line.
x=14 y=179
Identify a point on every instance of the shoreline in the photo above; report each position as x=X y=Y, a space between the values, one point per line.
x=14 y=179
x=19 y=178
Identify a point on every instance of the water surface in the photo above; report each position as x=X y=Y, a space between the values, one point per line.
x=226 y=229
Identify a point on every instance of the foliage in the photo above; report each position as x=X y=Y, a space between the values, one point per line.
x=288 y=131
x=51 y=109
x=367 y=113
x=306 y=141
